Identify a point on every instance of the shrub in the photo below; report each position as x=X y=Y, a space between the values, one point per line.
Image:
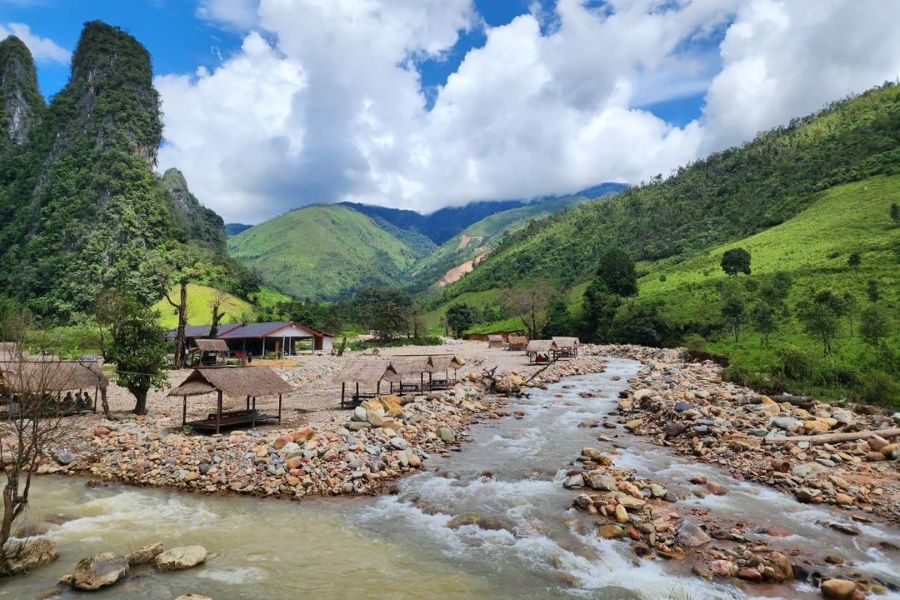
x=880 y=388
x=695 y=343
x=795 y=364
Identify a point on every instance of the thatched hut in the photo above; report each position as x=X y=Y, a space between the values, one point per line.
x=495 y=340
x=369 y=372
x=441 y=365
x=517 y=343
x=567 y=346
x=45 y=376
x=541 y=351
x=208 y=352
x=410 y=373
x=234 y=382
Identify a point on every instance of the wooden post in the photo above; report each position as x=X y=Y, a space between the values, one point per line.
x=184 y=413
x=378 y=388
x=343 y=392
x=355 y=400
x=279 y=409
x=96 y=394
x=219 y=412
x=253 y=414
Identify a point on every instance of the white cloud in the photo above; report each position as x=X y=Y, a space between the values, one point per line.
x=331 y=108
x=42 y=49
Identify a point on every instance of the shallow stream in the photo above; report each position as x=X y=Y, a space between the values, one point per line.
x=400 y=546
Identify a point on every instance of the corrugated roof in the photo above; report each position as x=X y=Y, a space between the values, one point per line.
x=541 y=346
x=236 y=382
x=211 y=345
x=364 y=370
x=50 y=376
x=200 y=331
x=566 y=342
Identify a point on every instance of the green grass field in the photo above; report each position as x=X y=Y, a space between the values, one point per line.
x=199 y=311
x=434 y=319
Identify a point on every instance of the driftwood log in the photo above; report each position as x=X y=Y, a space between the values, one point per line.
x=828 y=438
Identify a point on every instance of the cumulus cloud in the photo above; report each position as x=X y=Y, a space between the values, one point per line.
x=324 y=101
x=42 y=49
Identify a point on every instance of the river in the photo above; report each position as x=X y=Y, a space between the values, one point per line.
x=400 y=546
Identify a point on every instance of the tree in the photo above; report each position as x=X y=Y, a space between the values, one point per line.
x=734 y=312
x=32 y=428
x=559 y=319
x=821 y=316
x=530 y=304
x=616 y=270
x=854 y=260
x=137 y=345
x=387 y=311
x=874 y=325
x=638 y=324
x=181 y=311
x=849 y=306
x=762 y=317
x=598 y=309
x=459 y=318
x=215 y=307
x=872 y=290
x=736 y=260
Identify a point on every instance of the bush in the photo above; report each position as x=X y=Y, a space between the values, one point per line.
x=880 y=388
x=695 y=344
x=795 y=364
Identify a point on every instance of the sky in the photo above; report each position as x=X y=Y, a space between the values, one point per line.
x=269 y=105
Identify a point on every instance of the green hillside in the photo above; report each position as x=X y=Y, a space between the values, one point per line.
x=726 y=196
x=479 y=238
x=813 y=248
x=199 y=312
x=323 y=252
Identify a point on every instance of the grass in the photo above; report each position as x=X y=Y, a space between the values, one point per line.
x=434 y=319
x=199 y=311
x=513 y=324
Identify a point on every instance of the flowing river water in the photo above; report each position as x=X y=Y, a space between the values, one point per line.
x=408 y=546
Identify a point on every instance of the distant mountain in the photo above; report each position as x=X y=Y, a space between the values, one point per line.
x=232 y=229
x=323 y=251
x=201 y=224
x=445 y=223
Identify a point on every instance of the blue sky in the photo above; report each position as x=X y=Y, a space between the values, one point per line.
x=181 y=42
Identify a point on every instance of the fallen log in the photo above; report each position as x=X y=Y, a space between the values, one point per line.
x=828 y=438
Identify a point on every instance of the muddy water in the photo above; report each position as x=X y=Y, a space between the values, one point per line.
x=508 y=476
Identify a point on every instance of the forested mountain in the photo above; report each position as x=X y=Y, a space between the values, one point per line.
x=726 y=196
x=82 y=210
x=198 y=222
x=232 y=229
x=322 y=252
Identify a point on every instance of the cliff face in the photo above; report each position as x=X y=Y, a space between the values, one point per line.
x=21 y=103
x=199 y=223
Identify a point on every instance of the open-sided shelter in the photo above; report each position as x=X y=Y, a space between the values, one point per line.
x=366 y=372
x=49 y=377
x=234 y=382
x=208 y=352
x=441 y=365
x=567 y=347
x=541 y=351
x=410 y=373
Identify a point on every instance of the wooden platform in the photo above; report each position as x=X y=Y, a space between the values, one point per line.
x=234 y=419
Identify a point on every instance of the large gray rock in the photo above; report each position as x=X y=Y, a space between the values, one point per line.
x=145 y=555
x=29 y=555
x=64 y=457
x=99 y=571
x=178 y=559
x=691 y=536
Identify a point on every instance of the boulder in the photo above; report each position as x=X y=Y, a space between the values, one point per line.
x=446 y=434
x=178 y=559
x=611 y=532
x=145 y=554
x=99 y=571
x=64 y=457
x=303 y=434
x=621 y=514
x=32 y=554
x=837 y=589
x=691 y=536
x=782 y=567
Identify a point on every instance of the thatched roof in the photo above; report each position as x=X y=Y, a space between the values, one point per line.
x=445 y=362
x=405 y=366
x=566 y=342
x=364 y=370
x=34 y=376
x=495 y=337
x=236 y=382
x=518 y=340
x=541 y=346
x=208 y=345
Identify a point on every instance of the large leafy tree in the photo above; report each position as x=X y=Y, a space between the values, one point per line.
x=821 y=316
x=736 y=260
x=387 y=311
x=137 y=345
x=616 y=270
x=459 y=318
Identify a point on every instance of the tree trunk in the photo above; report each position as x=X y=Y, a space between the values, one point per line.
x=9 y=508
x=104 y=403
x=182 y=322
x=140 y=406
x=216 y=317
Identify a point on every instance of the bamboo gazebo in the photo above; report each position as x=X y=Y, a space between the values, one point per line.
x=541 y=352
x=234 y=382
x=50 y=378
x=567 y=347
x=366 y=372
